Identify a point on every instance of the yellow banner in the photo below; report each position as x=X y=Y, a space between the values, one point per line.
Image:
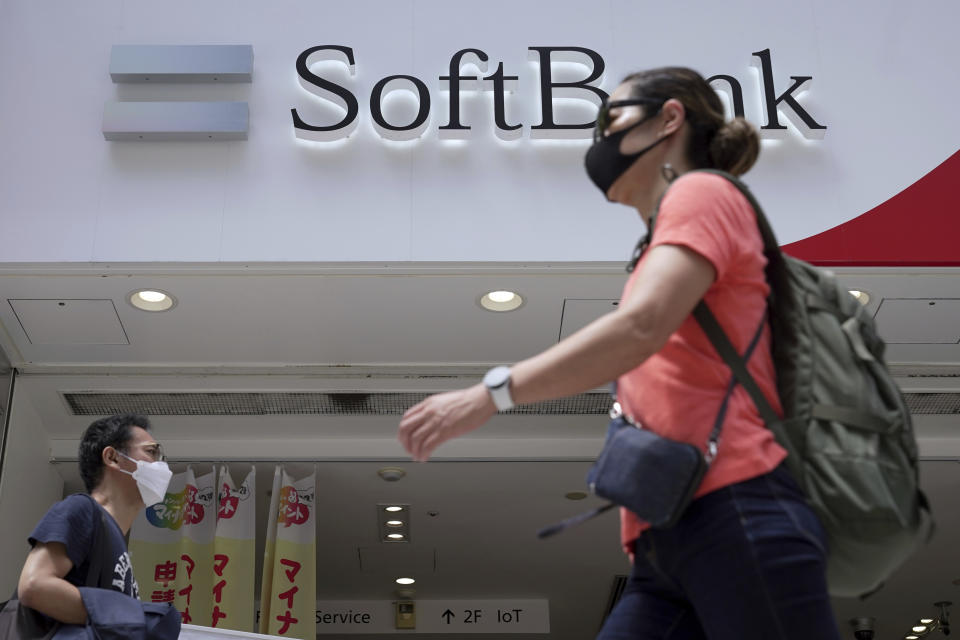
x=171 y=544
x=233 y=554
x=269 y=551
x=289 y=605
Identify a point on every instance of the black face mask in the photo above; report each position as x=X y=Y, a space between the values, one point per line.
x=604 y=162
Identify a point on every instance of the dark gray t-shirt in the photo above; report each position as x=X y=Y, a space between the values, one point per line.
x=73 y=522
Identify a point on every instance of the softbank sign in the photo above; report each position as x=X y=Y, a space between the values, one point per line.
x=779 y=97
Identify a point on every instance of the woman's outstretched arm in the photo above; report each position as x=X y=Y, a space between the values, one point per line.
x=671 y=282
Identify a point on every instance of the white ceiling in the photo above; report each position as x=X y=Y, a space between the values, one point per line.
x=418 y=327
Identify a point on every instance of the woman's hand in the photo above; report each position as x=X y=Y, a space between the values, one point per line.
x=427 y=425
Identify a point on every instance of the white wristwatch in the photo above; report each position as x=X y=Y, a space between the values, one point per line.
x=497 y=381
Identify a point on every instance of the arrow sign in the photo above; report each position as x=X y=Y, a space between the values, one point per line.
x=378 y=617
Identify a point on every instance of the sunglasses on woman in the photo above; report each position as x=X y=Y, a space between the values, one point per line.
x=604 y=119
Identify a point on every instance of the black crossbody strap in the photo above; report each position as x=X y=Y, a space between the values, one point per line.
x=716 y=331
x=708 y=322
x=720 y=341
x=718 y=338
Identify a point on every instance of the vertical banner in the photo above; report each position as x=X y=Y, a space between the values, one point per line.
x=269 y=552
x=172 y=546
x=288 y=604
x=233 y=553
x=155 y=544
x=196 y=549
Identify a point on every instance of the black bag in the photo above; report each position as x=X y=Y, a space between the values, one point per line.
x=652 y=476
x=18 y=622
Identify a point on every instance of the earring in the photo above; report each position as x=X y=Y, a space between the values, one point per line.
x=668 y=172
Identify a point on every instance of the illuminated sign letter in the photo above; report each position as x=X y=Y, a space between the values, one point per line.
x=499 y=85
x=315 y=84
x=813 y=129
x=550 y=89
x=404 y=132
x=453 y=129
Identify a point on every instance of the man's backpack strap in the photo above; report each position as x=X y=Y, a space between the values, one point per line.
x=17 y=620
x=98 y=556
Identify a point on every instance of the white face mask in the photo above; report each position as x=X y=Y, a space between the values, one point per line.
x=152 y=479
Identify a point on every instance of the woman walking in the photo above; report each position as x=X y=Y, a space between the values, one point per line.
x=747 y=559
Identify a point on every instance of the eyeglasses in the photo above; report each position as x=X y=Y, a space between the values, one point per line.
x=154 y=451
x=604 y=120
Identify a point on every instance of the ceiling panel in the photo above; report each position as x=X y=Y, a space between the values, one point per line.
x=63 y=321
x=579 y=313
x=920 y=320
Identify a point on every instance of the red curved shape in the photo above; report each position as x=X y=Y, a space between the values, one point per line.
x=918 y=227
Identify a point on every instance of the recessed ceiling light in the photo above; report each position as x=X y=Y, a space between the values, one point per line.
x=395 y=536
x=911 y=637
x=391 y=474
x=862 y=296
x=918 y=628
x=394 y=523
x=393 y=509
x=405 y=580
x=501 y=300
x=152 y=300
x=501 y=296
x=926 y=620
x=151 y=296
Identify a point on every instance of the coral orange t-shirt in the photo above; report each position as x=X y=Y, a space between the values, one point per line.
x=677 y=392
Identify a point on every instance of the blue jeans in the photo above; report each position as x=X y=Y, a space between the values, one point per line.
x=746 y=562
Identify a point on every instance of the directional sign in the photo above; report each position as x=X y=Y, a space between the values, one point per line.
x=434 y=616
x=483 y=616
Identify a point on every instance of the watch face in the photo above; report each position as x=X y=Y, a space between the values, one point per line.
x=496 y=377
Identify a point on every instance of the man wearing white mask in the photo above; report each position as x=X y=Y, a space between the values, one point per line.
x=124 y=470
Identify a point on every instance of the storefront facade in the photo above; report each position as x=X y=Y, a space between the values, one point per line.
x=327 y=190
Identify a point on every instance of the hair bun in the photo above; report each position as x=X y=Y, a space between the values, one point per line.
x=735 y=147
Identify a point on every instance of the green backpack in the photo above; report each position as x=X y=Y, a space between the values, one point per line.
x=846 y=428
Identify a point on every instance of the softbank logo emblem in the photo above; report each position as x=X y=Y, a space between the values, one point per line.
x=132 y=65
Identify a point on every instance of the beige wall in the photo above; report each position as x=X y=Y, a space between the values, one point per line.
x=28 y=487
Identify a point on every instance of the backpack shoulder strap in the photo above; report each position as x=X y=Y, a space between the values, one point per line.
x=771 y=248
x=99 y=552
x=728 y=353
x=704 y=316
x=777 y=278
x=98 y=556
x=770 y=244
